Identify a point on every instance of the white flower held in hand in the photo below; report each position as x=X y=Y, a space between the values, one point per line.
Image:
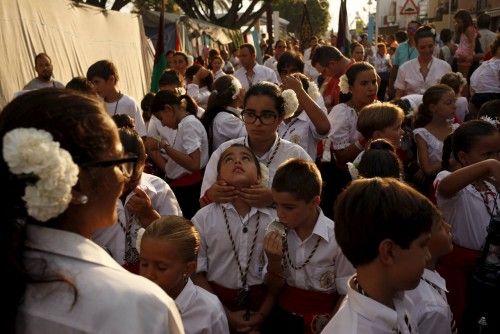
x=291 y=102
x=344 y=84
x=29 y=151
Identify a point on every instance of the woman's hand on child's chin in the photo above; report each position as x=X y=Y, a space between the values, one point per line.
x=257 y=196
x=221 y=192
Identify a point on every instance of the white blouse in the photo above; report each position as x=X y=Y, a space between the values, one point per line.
x=226 y=126
x=486 y=78
x=411 y=81
x=343 y=122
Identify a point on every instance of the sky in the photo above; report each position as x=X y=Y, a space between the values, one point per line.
x=353 y=6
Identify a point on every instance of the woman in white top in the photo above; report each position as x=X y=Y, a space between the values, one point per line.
x=383 y=65
x=222 y=118
x=485 y=81
x=216 y=66
x=187 y=154
x=418 y=74
x=59 y=280
x=168 y=251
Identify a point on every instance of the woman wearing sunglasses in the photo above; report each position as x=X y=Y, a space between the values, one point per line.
x=145 y=198
x=62 y=170
x=263 y=111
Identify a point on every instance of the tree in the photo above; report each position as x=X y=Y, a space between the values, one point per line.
x=292 y=11
x=232 y=14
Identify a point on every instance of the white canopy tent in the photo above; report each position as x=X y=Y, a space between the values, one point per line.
x=74 y=37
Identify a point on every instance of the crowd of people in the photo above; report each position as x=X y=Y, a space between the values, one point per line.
x=309 y=191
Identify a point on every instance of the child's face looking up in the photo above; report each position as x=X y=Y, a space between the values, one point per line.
x=237 y=167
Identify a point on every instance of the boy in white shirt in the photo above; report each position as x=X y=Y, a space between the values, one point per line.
x=304 y=261
x=383 y=227
x=431 y=311
x=104 y=75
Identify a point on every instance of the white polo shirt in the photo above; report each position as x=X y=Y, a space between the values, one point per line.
x=261 y=73
x=328 y=270
x=226 y=126
x=431 y=311
x=411 y=81
x=216 y=256
x=127 y=105
x=201 y=311
x=360 y=314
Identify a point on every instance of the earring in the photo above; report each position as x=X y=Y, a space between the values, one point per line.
x=83 y=199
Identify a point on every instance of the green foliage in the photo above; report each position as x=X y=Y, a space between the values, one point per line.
x=292 y=11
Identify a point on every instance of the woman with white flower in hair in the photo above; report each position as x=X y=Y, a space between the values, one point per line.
x=222 y=117
x=308 y=124
x=359 y=84
x=62 y=170
x=264 y=108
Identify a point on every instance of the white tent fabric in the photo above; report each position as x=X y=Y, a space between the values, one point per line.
x=74 y=37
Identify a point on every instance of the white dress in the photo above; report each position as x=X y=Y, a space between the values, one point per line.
x=434 y=145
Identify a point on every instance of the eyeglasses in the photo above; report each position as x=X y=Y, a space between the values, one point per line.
x=127 y=164
x=266 y=117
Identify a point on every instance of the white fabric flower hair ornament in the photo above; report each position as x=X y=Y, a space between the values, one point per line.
x=33 y=152
x=291 y=102
x=344 y=84
x=236 y=85
x=492 y=121
x=313 y=91
x=353 y=170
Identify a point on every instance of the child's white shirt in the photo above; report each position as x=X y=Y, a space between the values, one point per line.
x=360 y=314
x=343 y=121
x=127 y=105
x=226 y=126
x=191 y=136
x=434 y=145
x=201 y=311
x=216 y=256
x=328 y=270
x=431 y=311
x=163 y=201
x=466 y=213
x=285 y=151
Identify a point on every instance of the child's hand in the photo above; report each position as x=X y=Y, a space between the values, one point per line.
x=140 y=206
x=238 y=323
x=150 y=144
x=293 y=83
x=257 y=196
x=273 y=246
x=221 y=192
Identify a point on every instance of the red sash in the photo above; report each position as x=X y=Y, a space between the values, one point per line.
x=187 y=180
x=456 y=268
x=314 y=306
x=228 y=297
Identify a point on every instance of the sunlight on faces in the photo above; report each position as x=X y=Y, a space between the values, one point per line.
x=446 y=106
x=358 y=53
x=392 y=133
x=103 y=87
x=238 y=168
x=179 y=64
x=293 y=212
x=246 y=58
x=440 y=243
x=260 y=105
x=364 y=89
x=161 y=263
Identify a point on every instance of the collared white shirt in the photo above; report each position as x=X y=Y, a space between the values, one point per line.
x=127 y=105
x=36 y=83
x=466 y=213
x=219 y=73
x=108 y=298
x=431 y=311
x=343 y=122
x=360 y=314
x=227 y=126
x=200 y=95
x=201 y=311
x=411 y=81
x=381 y=63
x=328 y=270
x=163 y=201
x=284 y=151
x=261 y=73
x=486 y=78
x=191 y=136
x=434 y=145
x=216 y=256
x=157 y=131
x=301 y=131
x=272 y=63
